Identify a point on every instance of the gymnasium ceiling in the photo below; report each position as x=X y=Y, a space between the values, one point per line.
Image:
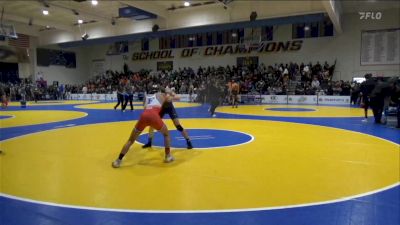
x=63 y=15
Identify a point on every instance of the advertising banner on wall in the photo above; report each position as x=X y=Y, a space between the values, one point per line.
x=187 y=97
x=247 y=99
x=274 y=99
x=302 y=99
x=334 y=100
x=94 y=97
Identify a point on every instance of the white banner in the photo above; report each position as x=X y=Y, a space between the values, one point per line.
x=94 y=96
x=296 y=99
x=186 y=97
x=380 y=47
x=98 y=67
x=265 y=99
x=113 y=97
x=302 y=99
x=274 y=99
x=333 y=100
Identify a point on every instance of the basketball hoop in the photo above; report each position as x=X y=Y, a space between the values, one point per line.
x=8 y=31
x=252 y=45
x=251 y=41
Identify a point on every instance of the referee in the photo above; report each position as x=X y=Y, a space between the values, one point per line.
x=366 y=88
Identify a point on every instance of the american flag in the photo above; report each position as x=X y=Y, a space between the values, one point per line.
x=21 y=42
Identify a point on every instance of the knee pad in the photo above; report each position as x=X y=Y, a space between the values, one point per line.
x=180 y=128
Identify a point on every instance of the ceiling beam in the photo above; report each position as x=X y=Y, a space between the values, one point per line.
x=82 y=13
x=149 y=6
x=39 y=22
x=198 y=29
x=333 y=8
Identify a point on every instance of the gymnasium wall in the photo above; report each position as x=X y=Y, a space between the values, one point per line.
x=344 y=47
x=25 y=68
x=62 y=74
x=54 y=72
x=51 y=73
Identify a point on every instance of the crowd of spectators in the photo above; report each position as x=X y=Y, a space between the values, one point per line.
x=274 y=79
x=27 y=90
x=278 y=79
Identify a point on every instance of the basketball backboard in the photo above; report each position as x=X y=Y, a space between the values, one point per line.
x=8 y=31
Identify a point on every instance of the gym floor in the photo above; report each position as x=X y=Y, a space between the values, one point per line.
x=256 y=164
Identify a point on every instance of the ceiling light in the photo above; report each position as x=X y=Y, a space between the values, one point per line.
x=80 y=21
x=45 y=12
x=94 y=2
x=186 y=4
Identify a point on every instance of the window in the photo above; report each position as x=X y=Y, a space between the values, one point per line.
x=145 y=44
x=267 y=33
x=311 y=30
x=232 y=36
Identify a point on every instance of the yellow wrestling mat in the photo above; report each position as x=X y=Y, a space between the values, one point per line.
x=294 y=111
x=135 y=106
x=32 y=117
x=286 y=164
x=55 y=102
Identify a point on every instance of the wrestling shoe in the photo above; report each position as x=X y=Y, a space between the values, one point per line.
x=189 y=145
x=116 y=163
x=169 y=158
x=148 y=145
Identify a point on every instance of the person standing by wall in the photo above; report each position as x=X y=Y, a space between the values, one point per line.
x=235 y=94
x=120 y=96
x=3 y=94
x=366 y=88
x=128 y=96
x=213 y=96
x=396 y=100
x=382 y=90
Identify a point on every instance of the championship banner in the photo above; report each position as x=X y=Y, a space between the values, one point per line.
x=380 y=47
x=220 y=50
x=165 y=65
x=247 y=61
x=98 y=67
